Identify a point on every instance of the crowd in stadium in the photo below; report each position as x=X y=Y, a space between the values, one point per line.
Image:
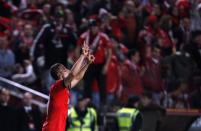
x=140 y=46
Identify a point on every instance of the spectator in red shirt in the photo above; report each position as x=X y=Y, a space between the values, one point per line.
x=113 y=83
x=131 y=76
x=100 y=46
x=183 y=7
x=129 y=24
x=113 y=79
x=164 y=39
x=152 y=78
x=147 y=36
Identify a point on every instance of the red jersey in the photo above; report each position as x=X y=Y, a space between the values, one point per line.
x=57 y=108
x=131 y=80
x=152 y=78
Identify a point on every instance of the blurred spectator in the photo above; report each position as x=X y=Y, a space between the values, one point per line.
x=54 y=37
x=29 y=117
x=183 y=7
x=100 y=46
x=146 y=100
x=113 y=84
x=131 y=76
x=182 y=33
x=7 y=58
x=7 y=113
x=147 y=34
x=152 y=113
x=27 y=35
x=164 y=35
x=182 y=66
x=22 y=40
x=17 y=30
x=28 y=76
x=104 y=17
x=47 y=11
x=194 y=47
x=22 y=53
x=113 y=76
x=151 y=76
x=113 y=80
x=180 y=96
x=129 y=25
x=70 y=20
x=110 y=24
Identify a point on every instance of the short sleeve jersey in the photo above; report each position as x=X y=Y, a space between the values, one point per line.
x=57 y=108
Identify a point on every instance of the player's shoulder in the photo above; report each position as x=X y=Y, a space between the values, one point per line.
x=57 y=84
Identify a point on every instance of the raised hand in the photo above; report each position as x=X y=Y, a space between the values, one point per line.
x=91 y=58
x=85 y=49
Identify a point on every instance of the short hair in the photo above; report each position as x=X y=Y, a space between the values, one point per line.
x=55 y=69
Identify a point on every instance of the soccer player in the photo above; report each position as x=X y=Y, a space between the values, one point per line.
x=60 y=90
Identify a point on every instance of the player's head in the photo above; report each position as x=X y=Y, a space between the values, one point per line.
x=58 y=71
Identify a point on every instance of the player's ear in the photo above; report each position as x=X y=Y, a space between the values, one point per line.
x=68 y=71
x=59 y=75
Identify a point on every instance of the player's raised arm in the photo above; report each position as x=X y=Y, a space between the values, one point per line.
x=82 y=71
x=80 y=66
x=80 y=62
